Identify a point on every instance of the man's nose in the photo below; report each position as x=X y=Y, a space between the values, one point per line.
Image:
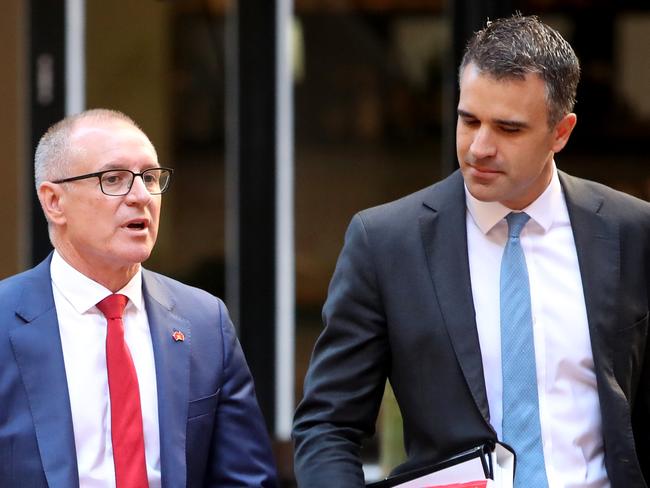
x=483 y=145
x=138 y=191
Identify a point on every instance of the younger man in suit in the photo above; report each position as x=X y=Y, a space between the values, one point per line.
x=507 y=302
x=112 y=375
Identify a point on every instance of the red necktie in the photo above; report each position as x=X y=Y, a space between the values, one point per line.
x=126 y=415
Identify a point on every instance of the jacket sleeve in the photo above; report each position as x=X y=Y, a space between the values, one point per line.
x=347 y=373
x=641 y=402
x=240 y=452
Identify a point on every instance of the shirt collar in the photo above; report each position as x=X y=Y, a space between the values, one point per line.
x=83 y=293
x=543 y=211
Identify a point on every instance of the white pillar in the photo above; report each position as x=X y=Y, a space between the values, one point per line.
x=75 y=56
x=285 y=248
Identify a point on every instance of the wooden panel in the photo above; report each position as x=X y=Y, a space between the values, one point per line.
x=12 y=137
x=220 y=7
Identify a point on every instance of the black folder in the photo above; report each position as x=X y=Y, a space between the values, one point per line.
x=481 y=455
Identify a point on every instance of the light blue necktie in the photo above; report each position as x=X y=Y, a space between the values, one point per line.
x=520 y=425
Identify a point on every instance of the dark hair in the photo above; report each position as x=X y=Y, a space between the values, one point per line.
x=515 y=46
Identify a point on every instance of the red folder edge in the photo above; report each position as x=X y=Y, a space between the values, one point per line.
x=469 y=484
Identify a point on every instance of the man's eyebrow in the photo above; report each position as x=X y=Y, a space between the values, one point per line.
x=112 y=165
x=119 y=164
x=514 y=124
x=463 y=113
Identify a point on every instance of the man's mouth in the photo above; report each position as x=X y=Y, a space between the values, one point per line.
x=484 y=169
x=137 y=225
x=484 y=172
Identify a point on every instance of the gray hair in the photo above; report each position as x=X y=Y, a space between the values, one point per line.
x=513 y=47
x=54 y=150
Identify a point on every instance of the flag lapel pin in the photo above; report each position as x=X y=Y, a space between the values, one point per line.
x=178 y=336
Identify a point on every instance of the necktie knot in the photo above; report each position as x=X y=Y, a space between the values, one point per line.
x=113 y=306
x=516 y=222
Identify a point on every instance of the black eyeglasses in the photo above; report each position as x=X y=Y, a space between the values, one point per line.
x=118 y=182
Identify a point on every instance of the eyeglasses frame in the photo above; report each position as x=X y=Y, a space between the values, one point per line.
x=99 y=175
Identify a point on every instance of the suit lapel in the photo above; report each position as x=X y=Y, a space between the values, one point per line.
x=598 y=248
x=38 y=352
x=172 y=360
x=442 y=225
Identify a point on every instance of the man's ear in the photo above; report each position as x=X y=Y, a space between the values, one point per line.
x=52 y=199
x=563 y=130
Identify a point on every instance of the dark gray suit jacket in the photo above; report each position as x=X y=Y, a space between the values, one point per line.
x=400 y=307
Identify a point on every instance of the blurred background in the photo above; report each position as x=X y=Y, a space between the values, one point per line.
x=282 y=119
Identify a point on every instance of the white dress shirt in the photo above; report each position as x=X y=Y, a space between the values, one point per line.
x=83 y=337
x=570 y=414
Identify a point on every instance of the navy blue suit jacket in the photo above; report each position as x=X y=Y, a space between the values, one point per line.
x=211 y=429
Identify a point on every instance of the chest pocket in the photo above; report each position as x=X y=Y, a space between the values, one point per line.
x=202 y=406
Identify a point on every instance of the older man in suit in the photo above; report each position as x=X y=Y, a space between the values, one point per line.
x=113 y=375
x=506 y=302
